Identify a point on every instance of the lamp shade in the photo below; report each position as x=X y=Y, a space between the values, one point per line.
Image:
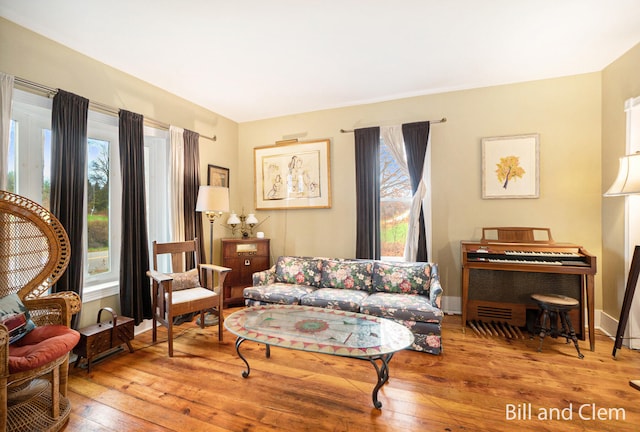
x=628 y=180
x=251 y=219
x=213 y=199
x=233 y=219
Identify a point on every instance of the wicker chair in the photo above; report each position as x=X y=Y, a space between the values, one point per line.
x=34 y=253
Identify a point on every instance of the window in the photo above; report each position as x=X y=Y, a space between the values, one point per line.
x=103 y=195
x=98 y=206
x=30 y=175
x=395 y=205
x=30 y=147
x=11 y=168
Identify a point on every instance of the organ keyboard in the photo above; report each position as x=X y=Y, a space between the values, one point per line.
x=499 y=275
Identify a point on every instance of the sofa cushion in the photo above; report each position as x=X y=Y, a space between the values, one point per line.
x=405 y=307
x=331 y=298
x=281 y=293
x=401 y=277
x=347 y=274
x=299 y=270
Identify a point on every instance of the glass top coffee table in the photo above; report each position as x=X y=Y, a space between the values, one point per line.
x=328 y=331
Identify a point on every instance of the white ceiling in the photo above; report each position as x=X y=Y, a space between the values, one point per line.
x=256 y=59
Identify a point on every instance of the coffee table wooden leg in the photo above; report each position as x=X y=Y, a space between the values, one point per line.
x=383 y=375
x=239 y=341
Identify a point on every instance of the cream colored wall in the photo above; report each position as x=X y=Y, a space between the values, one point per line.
x=35 y=58
x=564 y=111
x=620 y=81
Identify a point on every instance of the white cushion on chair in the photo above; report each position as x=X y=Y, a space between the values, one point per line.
x=191 y=294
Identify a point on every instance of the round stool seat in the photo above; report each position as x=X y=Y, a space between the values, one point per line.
x=554 y=307
x=557 y=300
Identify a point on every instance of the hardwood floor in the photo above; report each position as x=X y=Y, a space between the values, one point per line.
x=477 y=384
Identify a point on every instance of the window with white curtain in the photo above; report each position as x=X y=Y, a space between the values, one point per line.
x=29 y=175
x=395 y=205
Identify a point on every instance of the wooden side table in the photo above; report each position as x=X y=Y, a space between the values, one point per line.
x=245 y=257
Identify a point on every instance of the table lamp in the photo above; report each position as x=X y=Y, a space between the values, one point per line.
x=212 y=201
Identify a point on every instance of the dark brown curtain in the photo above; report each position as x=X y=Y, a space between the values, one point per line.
x=416 y=138
x=68 y=160
x=135 y=291
x=192 y=220
x=367 y=146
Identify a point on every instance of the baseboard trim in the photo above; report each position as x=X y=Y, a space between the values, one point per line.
x=608 y=324
x=143 y=326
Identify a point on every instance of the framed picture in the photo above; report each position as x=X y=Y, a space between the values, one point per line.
x=218 y=176
x=293 y=175
x=511 y=167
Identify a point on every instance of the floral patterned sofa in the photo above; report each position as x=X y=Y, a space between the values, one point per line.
x=408 y=293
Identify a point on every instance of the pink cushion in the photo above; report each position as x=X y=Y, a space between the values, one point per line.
x=40 y=346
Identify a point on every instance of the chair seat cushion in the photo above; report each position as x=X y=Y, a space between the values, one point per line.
x=191 y=294
x=40 y=346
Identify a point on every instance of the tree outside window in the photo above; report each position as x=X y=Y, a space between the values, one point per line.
x=395 y=205
x=98 y=205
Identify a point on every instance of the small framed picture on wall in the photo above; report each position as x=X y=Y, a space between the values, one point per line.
x=218 y=176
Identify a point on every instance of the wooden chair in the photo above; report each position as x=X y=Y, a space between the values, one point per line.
x=34 y=253
x=185 y=290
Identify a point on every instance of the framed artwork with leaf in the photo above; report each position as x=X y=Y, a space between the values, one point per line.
x=511 y=167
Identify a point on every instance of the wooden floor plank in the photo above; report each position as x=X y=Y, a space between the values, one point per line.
x=478 y=383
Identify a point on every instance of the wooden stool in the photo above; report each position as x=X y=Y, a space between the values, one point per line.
x=551 y=307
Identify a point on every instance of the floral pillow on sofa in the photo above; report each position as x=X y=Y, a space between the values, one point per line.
x=346 y=274
x=399 y=277
x=299 y=270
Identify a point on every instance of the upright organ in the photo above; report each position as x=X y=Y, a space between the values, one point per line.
x=503 y=269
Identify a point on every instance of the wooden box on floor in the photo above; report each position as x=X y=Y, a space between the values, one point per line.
x=101 y=337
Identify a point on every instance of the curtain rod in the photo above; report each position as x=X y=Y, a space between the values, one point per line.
x=442 y=120
x=50 y=92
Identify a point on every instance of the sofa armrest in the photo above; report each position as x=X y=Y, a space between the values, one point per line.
x=265 y=277
x=435 y=289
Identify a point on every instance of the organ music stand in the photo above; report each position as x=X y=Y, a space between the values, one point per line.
x=627 y=183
